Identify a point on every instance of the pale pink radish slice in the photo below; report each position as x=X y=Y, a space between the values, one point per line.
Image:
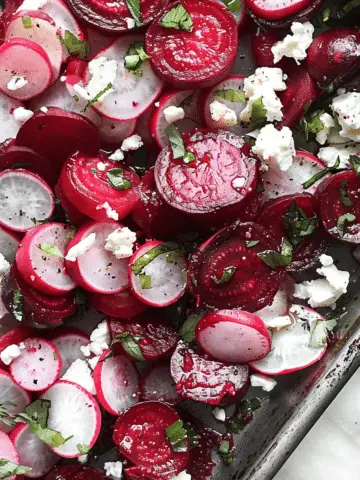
x=11 y=392
x=113 y=132
x=33 y=452
x=291 y=350
x=9 y=243
x=38 y=366
x=233 y=336
x=22 y=58
x=116 y=382
x=68 y=341
x=157 y=273
x=278 y=183
x=40 y=258
x=8 y=451
x=42 y=31
x=133 y=93
x=156 y=384
x=74 y=412
x=143 y=126
x=188 y=100
x=24 y=197
x=281 y=303
x=98 y=270
x=9 y=126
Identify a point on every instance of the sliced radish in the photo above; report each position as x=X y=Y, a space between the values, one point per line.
x=33 y=452
x=40 y=258
x=114 y=132
x=290 y=346
x=120 y=305
x=133 y=94
x=116 y=382
x=25 y=59
x=76 y=472
x=8 y=452
x=9 y=243
x=188 y=100
x=24 y=197
x=11 y=392
x=98 y=270
x=74 y=412
x=272 y=10
x=38 y=366
x=68 y=341
x=10 y=126
x=14 y=336
x=156 y=384
x=161 y=281
x=233 y=336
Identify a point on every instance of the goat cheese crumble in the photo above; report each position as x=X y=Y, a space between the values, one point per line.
x=117 y=156
x=4 y=265
x=173 y=114
x=16 y=82
x=80 y=373
x=44 y=109
x=238 y=182
x=132 y=143
x=219 y=111
x=260 y=380
x=275 y=147
x=295 y=45
x=328 y=123
x=330 y=154
x=120 y=242
x=80 y=248
x=103 y=73
x=130 y=23
x=347 y=108
x=101 y=166
x=219 y=414
x=21 y=114
x=113 y=469
x=112 y=214
x=11 y=352
x=32 y=5
x=182 y=476
x=99 y=341
x=83 y=458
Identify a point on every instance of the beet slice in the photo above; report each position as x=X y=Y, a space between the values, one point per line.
x=207 y=381
x=140 y=436
x=205 y=189
x=76 y=472
x=312 y=246
x=252 y=285
x=57 y=133
x=159 y=338
x=340 y=206
x=75 y=216
x=200 y=58
x=332 y=52
x=261 y=43
x=119 y=305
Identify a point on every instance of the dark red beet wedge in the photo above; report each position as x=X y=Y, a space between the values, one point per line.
x=205 y=189
x=76 y=472
x=251 y=285
x=310 y=247
x=202 y=57
x=119 y=305
x=340 y=206
x=140 y=436
x=207 y=381
x=159 y=338
x=261 y=44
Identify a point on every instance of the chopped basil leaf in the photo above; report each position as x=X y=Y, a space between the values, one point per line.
x=176 y=141
x=344 y=197
x=260 y=188
x=5 y=417
x=258 y=113
x=75 y=46
x=135 y=57
x=8 y=469
x=312 y=125
x=116 y=179
x=251 y=243
x=187 y=331
x=38 y=411
x=228 y=272
x=92 y=102
x=319 y=175
x=179 y=18
x=145 y=281
x=193 y=437
x=243 y=414
x=307 y=106
x=130 y=343
x=177 y=436
x=21 y=165
x=298 y=225
x=17 y=306
x=47 y=435
x=141 y=262
x=70 y=234
x=233 y=5
x=55 y=356
x=231 y=95
x=342 y=223
x=83 y=449
x=348 y=8
x=76 y=98
x=27 y=22
x=189 y=157
x=171 y=257
x=134 y=9
x=225 y=453
x=275 y=259
x=50 y=249
x=318 y=332
x=326 y=14
x=187 y=101
x=355 y=162
x=93 y=170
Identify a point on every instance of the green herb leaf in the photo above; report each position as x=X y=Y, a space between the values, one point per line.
x=145 y=281
x=314 y=125
x=21 y=165
x=8 y=469
x=70 y=234
x=97 y=97
x=193 y=437
x=258 y=113
x=134 y=9
x=243 y=414
x=231 y=95
x=177 y=436
x=225 y=277
x=141 y=262
x=50 y=249
x=225 y=453
x=83 y=448
x=176 y=141
x=179 y=18
x=298 y=225
x=7 y=418
x=135 y=57
x=275 y=259
x=189 y=157
x=17 y=305
x=319 y=175
x=187 y=331
x=47 y=435
x=233 y=5
x=117 y=180
x=27 y=22
x=76 y=47
x=342 y=222
x=344 y=197
x=93 y=170
x=130 y=343
x=251 y=243
x=326 y=14
x=319 y=330
x=38 y=411
x=355 y=162
x=172 y=257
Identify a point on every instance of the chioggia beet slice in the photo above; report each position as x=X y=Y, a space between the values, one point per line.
x=76 y=472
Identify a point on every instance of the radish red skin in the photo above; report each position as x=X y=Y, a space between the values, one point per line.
x=14 y=336
x=277 y=10
x=119 y=305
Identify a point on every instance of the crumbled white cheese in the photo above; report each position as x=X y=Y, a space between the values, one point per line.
x=219 y=414
x=295 y=45
x=220 y=112
x=329 y=155
x=16 y=82
x=103 y=73
x=10 y=353
x=113 y=469
x=32 y=5
x=99 y=340
x=173 y=114
x=80 y=373
x=121 y=242
x=238 y=182
x=278 y=322
x=112 y=214
x=347 y=108
x=132 y=143
x=63 y=78
x=93 y=362
x=117 y=156
x=83 y=458
x=338 y=279
x=259 y=380
x=328 y=123
x=275 y=147
x=44 y=109
x=80 y=248
x=86 y=350
x=21 y=114
x=4 y=265
x=101 y=167
x=130 y=23
x=182 y=476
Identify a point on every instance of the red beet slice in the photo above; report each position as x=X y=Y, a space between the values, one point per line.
x=111 y=16
x=207 y=381
x=261 y=44
x=157 y=384
x=205 y=188
x=311 y=247
x=75 y=216
x=140 y=436
x=119 y=305
x=76 y=472
x=57 y=134
x=333 y=52
x=202 y=57
x=277 y=10
x=252 y=284
x=340 y=206
x=159 y=340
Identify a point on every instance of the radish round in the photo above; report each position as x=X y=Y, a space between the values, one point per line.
x=8 y=452
x=11 y=392
x=156 y=384
x=23 y=58
x=116 y=382
x=33 y=452
x=9 y=126
x=14 y=336
x=40 y=267
x=73 y=412
x=162 y=280
x=233 y=336
x=120 y=305
x=68 y=341
x=270 y=10
x=24 y=196
x=114 y=132
x=9 y=243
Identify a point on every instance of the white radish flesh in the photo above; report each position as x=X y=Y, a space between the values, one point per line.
x=158 y=385
x=8 y=244
x=114 y=132
x=69 y=345
x=8 y=451
x=9 y=126
x=10 y=392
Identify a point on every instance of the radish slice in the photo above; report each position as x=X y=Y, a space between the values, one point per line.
x=40 y=258
x=8 y=452
x=25 y=196
x=38 y=366
x=113 y=132
x=68 y=341
x=133 y=94
x=116 y=382
x=98 y=270
x=23 y=58
x=290 y=346
x=278 y=183
x=73 y=412
x=120 y=305
x=9 y=244
x=14 y=336
x=32 y=451
x=270 y=10
x=156 y=384
x=143 y=126
x=233 y=336
x=10 y=126
x=11 y=392
x=162 y=280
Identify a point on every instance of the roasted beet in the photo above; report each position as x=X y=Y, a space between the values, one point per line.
x=76 y=472
x=261 y=44
x=119 y=305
